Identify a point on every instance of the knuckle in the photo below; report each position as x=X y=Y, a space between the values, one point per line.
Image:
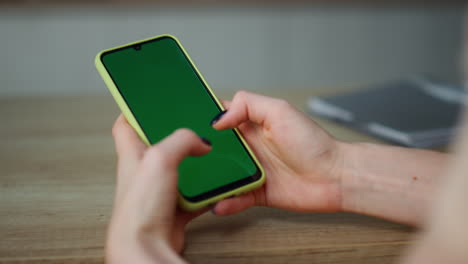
x=241 y=95
x=116 y=129
x=156 y=157
x=283 y=104
x=185 y=133
x=155 y=153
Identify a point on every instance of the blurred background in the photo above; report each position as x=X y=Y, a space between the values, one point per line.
x=48 y=47
x=57 y=154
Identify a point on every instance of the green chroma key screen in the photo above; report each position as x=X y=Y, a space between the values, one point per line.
x=164 y=93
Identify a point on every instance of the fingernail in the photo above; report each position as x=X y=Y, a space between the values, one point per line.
x=218 y=117
x=206 y=141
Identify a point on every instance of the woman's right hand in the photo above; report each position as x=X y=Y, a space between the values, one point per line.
x=302 y=162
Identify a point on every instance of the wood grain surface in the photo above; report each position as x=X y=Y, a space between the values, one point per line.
x=57 y=183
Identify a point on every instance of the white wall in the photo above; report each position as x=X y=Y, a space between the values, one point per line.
x=50 y=51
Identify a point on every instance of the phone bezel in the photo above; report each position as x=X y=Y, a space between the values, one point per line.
x=220 y=190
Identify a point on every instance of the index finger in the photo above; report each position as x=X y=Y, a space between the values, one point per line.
x=247 y=106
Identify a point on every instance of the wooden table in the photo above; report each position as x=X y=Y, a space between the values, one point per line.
x=57 y=183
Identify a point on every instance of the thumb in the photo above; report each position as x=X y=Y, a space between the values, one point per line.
x=159 y=165
x=234 y=205
x=169 y=152
x=153 y=194
x=156 y=182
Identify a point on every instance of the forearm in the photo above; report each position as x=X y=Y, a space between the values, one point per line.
x=390 y=182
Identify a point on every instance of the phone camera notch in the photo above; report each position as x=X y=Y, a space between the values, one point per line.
x=137 y=47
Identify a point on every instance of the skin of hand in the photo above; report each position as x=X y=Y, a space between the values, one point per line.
x=300 y=159
x=146 y=224
x=308 y=170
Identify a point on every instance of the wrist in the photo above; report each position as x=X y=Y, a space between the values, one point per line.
x=361 y=179
x=138 y=247
x=390 y=182
x=345 y=171
x=138 y=252
x=356 y=180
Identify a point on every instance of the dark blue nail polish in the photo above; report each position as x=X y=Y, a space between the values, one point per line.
x=217 y=117
x=206 y=141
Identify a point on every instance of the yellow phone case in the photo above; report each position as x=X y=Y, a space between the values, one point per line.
x=185 y=204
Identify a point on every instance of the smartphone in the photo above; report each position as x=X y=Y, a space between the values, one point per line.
x=159 y=89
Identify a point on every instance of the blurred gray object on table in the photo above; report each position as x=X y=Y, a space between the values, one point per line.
x=417 y=112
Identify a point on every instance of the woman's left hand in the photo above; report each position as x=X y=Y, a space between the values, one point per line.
x=146 y=224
